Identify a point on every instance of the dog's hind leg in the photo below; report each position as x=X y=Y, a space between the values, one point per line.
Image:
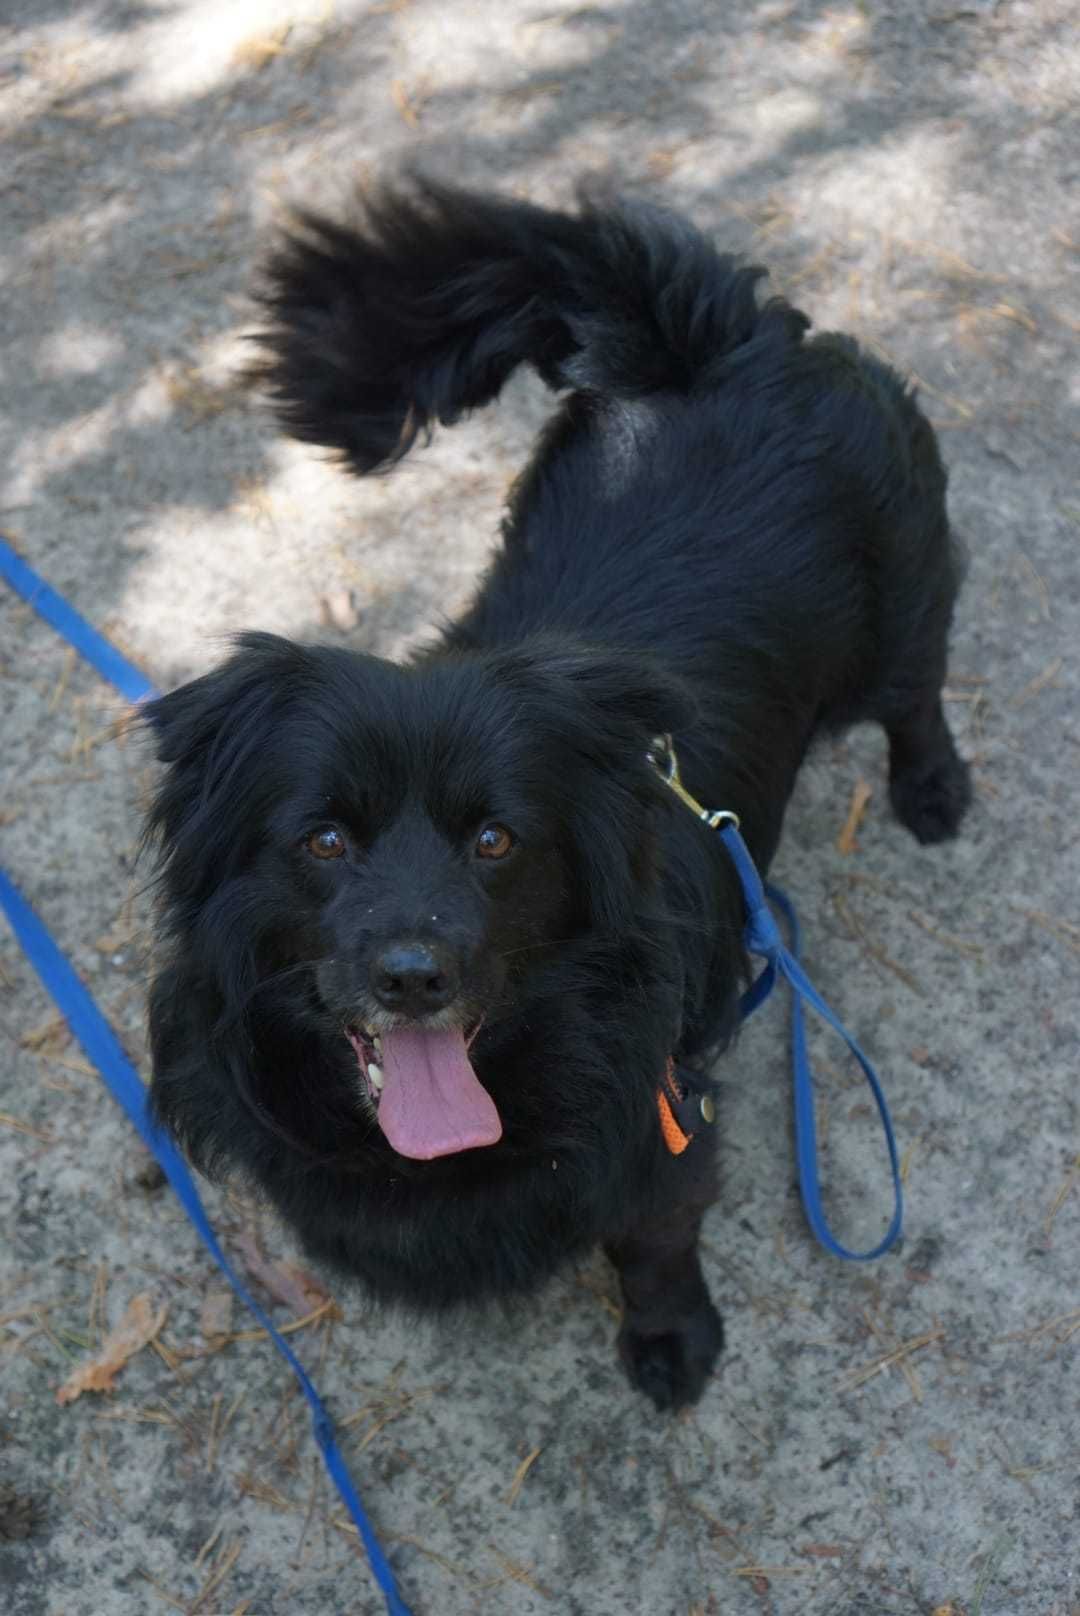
x=929 y=784
x=671 y=1334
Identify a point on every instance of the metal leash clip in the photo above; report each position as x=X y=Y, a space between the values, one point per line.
x=661 y=755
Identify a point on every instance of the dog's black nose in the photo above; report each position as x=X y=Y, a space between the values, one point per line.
x=413 y=979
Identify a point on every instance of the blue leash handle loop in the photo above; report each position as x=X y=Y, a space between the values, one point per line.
x=762 y=938
x=103 y=1049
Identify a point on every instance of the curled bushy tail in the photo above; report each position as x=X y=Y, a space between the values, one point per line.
x=422 y=310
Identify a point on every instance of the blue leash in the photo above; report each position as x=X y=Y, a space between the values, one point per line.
x=91 y=645
x=103 y=1048
x=762 y=938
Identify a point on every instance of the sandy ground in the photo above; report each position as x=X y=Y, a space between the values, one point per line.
x=900 y=1438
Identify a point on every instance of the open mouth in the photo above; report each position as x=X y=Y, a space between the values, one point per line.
x=429 y=1102
x=369 y=1053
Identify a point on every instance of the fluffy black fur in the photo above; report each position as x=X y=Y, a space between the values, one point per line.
x=728 y=531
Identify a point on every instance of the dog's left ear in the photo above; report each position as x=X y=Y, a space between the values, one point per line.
x=604 y=706
x=618 y=697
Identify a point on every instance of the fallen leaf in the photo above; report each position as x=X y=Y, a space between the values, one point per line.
x=138 y=1327
x=845 y=842
x=337 y=611
x=215 y=1315
x=405 y=104
x=51 y=1035
x=661 y=162
x=287 y=1282
x=259 y=51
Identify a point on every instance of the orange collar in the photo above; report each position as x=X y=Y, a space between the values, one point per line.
x=682 y=1104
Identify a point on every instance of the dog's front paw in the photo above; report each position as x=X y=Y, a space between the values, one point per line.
x=672 y=1368
x=932 y=802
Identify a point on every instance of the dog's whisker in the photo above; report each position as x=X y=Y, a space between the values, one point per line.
x=533 y=948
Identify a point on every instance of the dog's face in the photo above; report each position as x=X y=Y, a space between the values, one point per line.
x=396 y=849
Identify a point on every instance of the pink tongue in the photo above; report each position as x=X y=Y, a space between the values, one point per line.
x=432 y=1101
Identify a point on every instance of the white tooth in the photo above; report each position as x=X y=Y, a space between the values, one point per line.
x=375 y=1077
x=377 y=1041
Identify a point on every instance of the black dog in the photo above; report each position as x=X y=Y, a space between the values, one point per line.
x=437 y=929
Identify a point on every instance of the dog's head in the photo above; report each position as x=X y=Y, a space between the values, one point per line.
x=389 y=852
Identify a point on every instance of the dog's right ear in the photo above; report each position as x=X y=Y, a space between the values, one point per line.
x=184 y=722
x=213 y=734
x=189 y=720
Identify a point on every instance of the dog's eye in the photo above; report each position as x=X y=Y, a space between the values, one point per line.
x=326 y=844
x=494 y=842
